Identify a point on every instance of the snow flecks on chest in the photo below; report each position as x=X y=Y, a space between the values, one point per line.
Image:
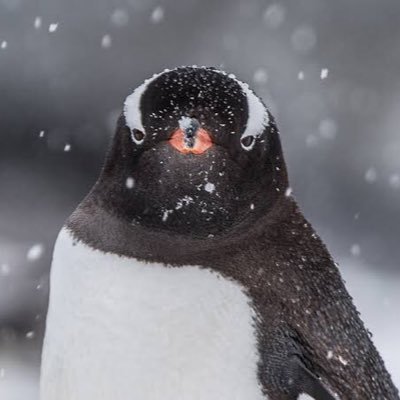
x=201 y=199
x=145 y=330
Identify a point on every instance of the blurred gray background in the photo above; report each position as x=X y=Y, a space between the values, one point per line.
x=328 y=70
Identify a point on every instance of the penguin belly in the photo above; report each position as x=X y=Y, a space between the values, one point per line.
x=122 y=329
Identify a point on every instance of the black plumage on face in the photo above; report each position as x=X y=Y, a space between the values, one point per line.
x=203 y=151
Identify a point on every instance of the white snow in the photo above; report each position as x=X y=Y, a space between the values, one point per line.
x=288 y=191
x=184 y=123
x=166 y=214
x=157 y=15
x=41 y=134
x=304 y=39
x=328 y=129
x=342 y=360
x=53 y=27
x=5 y=269
x=130 y=182
x=106 y=41
x=119 y=17
x=355 y=250
x=371 y=175
x=260 y=76
x=35 y=252
x=209 y=187
x=4 y=44
x=30 y=335
x=37 y=23
x=394 y=181
x=311 y=140
x=67 y=147
x=274 y=15
x=184 y=201
x=324 y=73
x=300 y=76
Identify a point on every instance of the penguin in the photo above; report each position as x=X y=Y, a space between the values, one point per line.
x=189 y=272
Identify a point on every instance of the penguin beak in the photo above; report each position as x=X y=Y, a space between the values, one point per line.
x=190 y=137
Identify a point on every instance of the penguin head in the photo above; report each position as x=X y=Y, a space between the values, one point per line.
x=195 y=152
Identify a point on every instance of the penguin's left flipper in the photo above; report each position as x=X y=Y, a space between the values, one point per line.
x=310 y=384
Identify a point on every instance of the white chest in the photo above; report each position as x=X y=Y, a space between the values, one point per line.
x=120 y=329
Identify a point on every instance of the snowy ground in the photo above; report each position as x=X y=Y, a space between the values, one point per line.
x=376 y=295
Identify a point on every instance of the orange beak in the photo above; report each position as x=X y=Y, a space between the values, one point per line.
x=202 y=142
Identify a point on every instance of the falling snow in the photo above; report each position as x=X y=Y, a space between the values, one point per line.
x=157 y=15
x=394 y=181
x=130 y=182
x=342 y=360
x=30 y=335
x=371 y=175
x=260 y=76
x=325 y=124
x=5 y=269
x=328 y=129
x=304 y=39
x=355 y=250
x=35 y=252
x=324 y=73
x=274 y=15
x=37 y=23
x=311 y=140
x=106 y=41
x=119 y=17
x=53 y=27
x=209 y=187
x=166 y=214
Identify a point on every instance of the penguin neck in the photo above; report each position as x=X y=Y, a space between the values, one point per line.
x=95 y=226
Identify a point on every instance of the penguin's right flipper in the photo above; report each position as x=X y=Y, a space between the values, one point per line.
x=310 y=384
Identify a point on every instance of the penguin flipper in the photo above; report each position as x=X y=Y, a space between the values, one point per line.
x=310 y=384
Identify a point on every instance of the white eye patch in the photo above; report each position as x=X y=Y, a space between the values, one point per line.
x=257 y=118
x=257 y=113
x=132 y=112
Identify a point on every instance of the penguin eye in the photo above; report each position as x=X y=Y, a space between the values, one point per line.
x=137 y=136
x=247 y=142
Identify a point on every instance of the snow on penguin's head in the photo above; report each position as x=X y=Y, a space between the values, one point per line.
x=257 y=113
x=193 y=133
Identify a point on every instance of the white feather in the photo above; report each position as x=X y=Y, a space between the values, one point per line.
x=120 y=329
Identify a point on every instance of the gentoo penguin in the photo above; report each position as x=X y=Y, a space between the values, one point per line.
x=189 y=273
